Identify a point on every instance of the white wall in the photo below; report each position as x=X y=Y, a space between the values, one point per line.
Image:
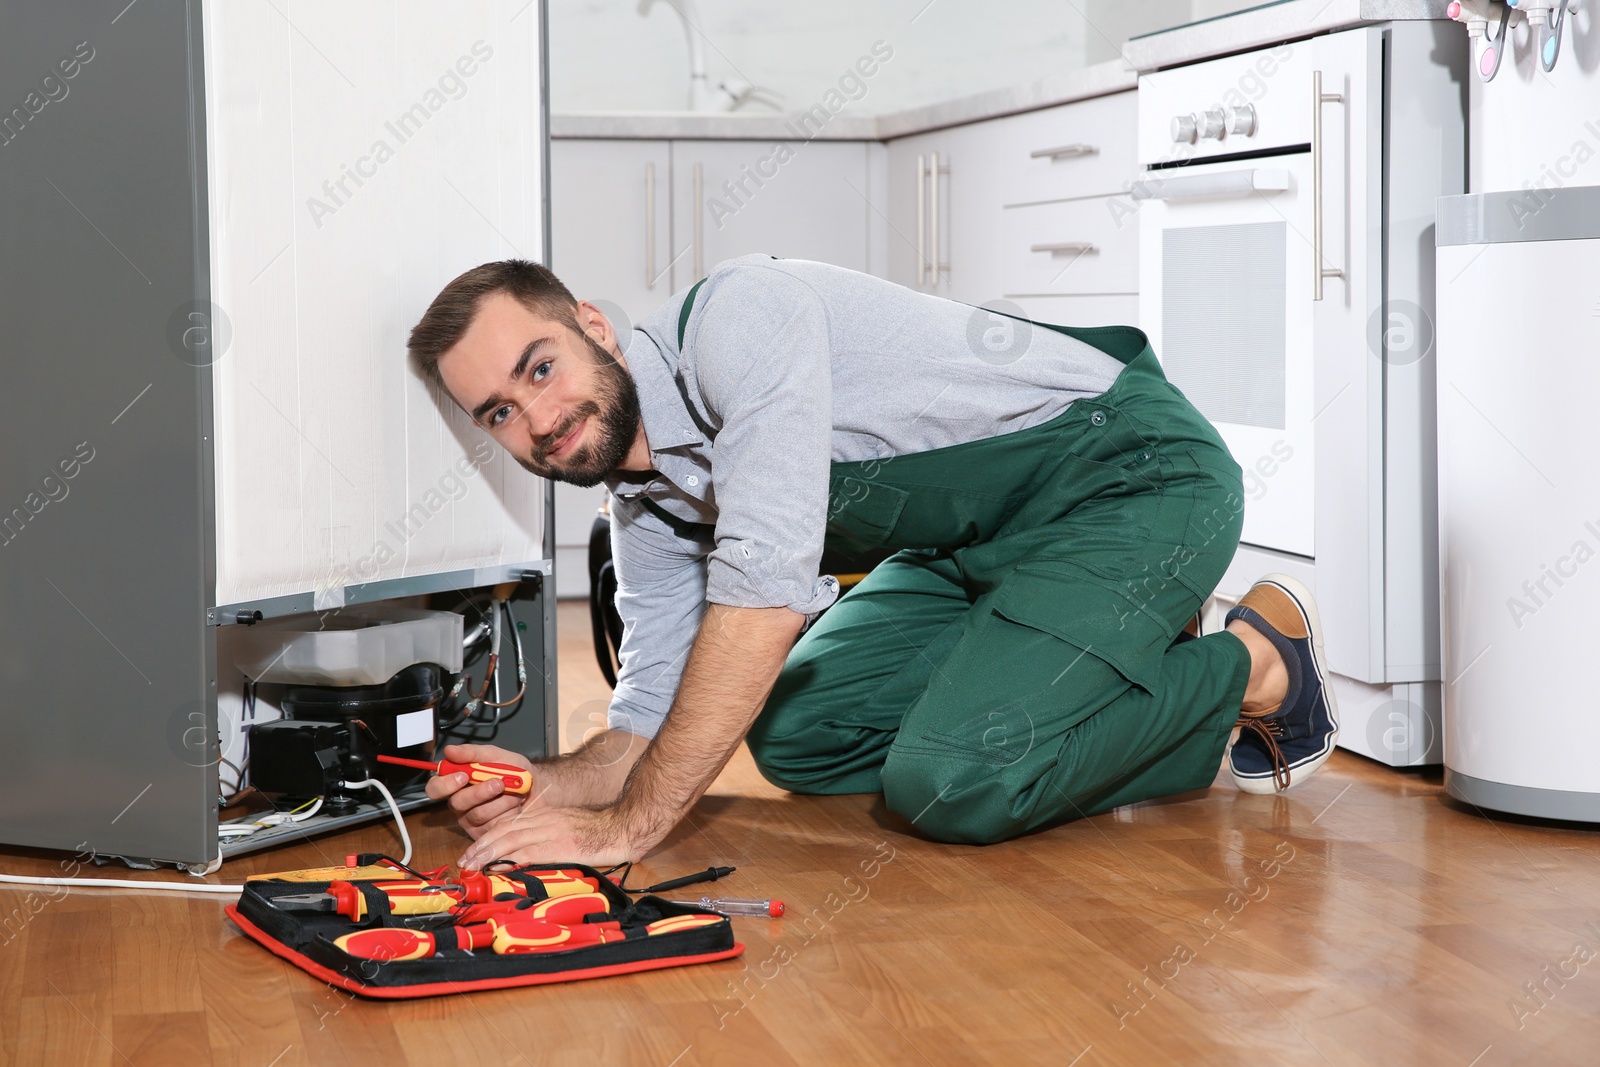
x=1530 y=129
x=605 y=57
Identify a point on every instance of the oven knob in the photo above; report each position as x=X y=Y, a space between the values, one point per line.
x=1242 y=121
x=1211 y=124
x=1183 y=129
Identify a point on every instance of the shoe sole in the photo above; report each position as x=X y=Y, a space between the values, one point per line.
x=1265 y=786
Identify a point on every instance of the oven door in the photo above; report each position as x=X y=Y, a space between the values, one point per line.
x=1224 y=250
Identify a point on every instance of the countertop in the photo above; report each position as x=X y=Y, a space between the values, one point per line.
x=1255 y=28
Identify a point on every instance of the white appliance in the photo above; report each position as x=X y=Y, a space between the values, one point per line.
x=1519 y=501
x=1286 y=282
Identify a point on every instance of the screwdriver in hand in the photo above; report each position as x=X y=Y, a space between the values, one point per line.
x=517 y=781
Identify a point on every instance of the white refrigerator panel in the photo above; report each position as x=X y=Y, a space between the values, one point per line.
x=360 y=156
x=1519 y=514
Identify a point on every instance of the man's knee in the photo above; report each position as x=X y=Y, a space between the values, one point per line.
x=950 y=798
x=772 y=741
x=802 y=748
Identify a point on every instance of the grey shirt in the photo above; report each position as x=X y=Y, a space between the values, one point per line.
x=791 y=366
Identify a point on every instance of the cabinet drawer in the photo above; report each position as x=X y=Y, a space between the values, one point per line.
x=1081 y=249
x=1084 y=149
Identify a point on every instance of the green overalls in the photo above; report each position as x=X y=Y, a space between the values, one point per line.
x=1014 y=666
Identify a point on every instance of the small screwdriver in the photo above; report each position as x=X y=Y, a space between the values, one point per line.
x=742 y=906
x=517 y=781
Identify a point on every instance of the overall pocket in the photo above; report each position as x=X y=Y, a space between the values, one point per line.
x=862 y=513
x=1089 y=612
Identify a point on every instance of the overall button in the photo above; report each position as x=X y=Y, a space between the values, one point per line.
x=1097 y=418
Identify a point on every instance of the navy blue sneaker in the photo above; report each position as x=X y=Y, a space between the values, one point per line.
x=1283 y=747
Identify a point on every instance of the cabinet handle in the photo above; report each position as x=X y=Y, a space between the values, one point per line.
x=1066 y=151
x=699 y=222
x=1318 y=98
x=1064 y=248
x=933 y=217
x=650 y=225
x=922 y=221
x=928 y=263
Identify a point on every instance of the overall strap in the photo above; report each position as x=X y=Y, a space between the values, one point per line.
x=688 y=306
x=684 y=528
x=700 y=421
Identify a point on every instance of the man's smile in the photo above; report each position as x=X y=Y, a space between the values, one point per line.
x=567 y=442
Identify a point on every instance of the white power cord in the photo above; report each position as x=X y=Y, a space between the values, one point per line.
x=399 y=820
x=122 y=883
x=202 y=887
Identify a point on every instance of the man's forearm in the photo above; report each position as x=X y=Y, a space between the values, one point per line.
x=736 y=658
x=591 y=775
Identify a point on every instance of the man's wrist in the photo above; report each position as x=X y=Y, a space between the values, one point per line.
x=639 y=825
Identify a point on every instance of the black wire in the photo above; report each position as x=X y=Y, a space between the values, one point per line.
x=622 y=883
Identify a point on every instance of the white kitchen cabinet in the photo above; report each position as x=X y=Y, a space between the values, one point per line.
x=1087 y=148
x=794 y=200
x=611 y=223
x=634 y=221
x=945 y=193
x=611 y=243
x=1073 y=246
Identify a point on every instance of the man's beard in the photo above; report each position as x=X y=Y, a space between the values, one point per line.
x=614 y=423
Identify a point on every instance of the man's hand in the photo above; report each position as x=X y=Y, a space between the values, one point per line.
x=478 y=805
x=540 y=834
x=590 y=776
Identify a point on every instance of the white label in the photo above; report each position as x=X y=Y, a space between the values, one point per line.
x=413 y=728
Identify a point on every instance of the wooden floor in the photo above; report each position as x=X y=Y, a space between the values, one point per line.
x=1363 y=919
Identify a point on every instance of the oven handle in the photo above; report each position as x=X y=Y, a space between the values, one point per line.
x=1228 y=183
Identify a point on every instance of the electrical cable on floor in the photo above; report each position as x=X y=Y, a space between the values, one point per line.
x=191 y=887
x=121 y=883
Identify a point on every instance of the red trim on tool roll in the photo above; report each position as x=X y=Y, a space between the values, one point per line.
x=435 y=989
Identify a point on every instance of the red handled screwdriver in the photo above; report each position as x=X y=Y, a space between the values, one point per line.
x=507 y=936
x=517 y=780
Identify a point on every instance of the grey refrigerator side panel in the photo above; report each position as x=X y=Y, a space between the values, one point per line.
x=105 y=560
x=547 y=594
x=1425 y=153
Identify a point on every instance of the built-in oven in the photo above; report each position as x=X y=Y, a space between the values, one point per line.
x=1284 y=202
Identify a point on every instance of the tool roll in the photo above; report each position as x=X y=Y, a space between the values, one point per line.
x=380 y=929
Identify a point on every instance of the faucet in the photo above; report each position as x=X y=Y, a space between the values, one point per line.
x=700 y=98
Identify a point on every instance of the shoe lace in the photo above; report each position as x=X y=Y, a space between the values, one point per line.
x=1268 y=730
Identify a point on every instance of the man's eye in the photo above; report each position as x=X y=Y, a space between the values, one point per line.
x=499 y=415
x=541 y=371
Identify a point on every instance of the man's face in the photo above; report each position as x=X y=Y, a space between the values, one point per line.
x=558 y=400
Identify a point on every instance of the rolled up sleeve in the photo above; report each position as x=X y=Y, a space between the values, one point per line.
x=661 y=596
x=762 y=364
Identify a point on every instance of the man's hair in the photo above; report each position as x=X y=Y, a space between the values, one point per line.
x=453 y=310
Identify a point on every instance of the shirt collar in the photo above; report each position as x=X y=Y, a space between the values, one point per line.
x=666 y=420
